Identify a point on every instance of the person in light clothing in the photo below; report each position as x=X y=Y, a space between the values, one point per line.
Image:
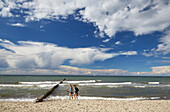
x=70 y=92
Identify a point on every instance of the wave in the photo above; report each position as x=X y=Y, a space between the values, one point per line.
x=14 y=85
x=153 y=82
x=56 y=82
x=18 y=99
x=44 y=86
x=84 y=81
x=44 y=82
x=92 y=83
x=110 y=85
x=140 y=86
x=80 y=98
x=105 y=84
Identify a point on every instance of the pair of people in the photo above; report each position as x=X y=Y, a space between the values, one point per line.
x=71 y=92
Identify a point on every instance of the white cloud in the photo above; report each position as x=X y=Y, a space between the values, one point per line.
x=6 y=6
x=18 y=25
x=118 y=43
x=106 y=40
x=164 y=47
x=5 y=41
x=32 y=55
x=139 y=16
x=156 y=71
x=129 y=53
x=147 y=53
x=161 y=70
x=133 y=41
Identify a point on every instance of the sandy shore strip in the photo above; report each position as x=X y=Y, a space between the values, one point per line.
x=87 y=106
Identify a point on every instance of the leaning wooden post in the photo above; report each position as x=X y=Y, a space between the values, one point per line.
x=41 y=98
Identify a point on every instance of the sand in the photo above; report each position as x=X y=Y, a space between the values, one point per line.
x=87 y=106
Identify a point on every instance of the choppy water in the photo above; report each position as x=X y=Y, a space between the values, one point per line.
x=27 y=88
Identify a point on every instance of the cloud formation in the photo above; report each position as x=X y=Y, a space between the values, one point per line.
x=107 y=15
x=161 y=70
x=67 y=70
x=162 y=49
x=18 y=25
x=27 y=57
x=70 y=70
x=40 y=55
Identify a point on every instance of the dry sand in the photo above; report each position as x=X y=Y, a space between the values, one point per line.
x=87 y=106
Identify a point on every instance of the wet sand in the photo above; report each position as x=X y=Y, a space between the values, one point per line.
x=87 y=106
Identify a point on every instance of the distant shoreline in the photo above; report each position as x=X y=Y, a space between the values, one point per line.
x=84 y=75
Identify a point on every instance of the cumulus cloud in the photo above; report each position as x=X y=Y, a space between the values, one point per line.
x=18 y=25
x=156 y=71
x=139 y=16
x=161 y=70
x=6 y=6
x=67 y=70
x=70 y=70
x=33 y=55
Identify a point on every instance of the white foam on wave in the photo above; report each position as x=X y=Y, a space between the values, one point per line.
x=114 y=86
x=43 y=82
x=56 y=82
x=101 y=98
x=105 y=84
x=140 y=86
x=153 y=82
x=45 y=86
x=14 y=85
x=80 y=97
x=159 y=85
x=84 y=81
x=18 y=100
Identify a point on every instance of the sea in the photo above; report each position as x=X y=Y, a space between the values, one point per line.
x=26 y=88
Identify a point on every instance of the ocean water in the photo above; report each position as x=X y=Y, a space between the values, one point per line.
x=28 y=88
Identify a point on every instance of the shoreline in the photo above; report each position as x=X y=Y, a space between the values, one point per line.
x=54 y=98
x=87 y=105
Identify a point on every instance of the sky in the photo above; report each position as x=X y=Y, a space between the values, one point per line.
x=85 y=37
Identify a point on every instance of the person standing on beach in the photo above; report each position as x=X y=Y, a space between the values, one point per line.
x=76 y=92
x=70 y=92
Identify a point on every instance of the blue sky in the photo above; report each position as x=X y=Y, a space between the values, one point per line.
x=99 y=37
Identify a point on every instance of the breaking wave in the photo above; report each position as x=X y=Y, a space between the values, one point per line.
x=80 y=97
x=95 y=83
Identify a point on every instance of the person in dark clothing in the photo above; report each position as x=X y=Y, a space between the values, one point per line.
x=76 y=92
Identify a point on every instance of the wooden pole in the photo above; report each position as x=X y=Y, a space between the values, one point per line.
x=41 y=98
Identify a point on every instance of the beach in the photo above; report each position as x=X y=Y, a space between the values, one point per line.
x=97 y=94
x=87 y=106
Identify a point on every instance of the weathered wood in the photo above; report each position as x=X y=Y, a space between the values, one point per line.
x=41 y=98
